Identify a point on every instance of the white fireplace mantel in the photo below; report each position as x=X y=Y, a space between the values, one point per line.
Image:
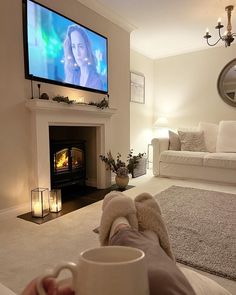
x=50 y=105
x=45 y=113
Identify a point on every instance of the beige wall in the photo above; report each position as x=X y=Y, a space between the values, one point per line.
x=15 y=167
x=186 y=87
x=141 y=115
x=181 y=88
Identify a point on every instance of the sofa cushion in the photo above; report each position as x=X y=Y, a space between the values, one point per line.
x=226 y=141
x=174 y=141
x=210 y=135
x=192 y=141
x=202 y=285
x=221 y=160
x=183 y=157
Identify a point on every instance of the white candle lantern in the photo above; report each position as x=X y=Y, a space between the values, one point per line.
x=55 y=200
x=40 y=202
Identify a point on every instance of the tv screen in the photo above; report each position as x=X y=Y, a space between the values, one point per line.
x=61 y=51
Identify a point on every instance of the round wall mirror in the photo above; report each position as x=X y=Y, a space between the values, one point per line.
x=226 y=83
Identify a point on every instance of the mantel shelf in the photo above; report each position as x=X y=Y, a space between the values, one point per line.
x=50 y=105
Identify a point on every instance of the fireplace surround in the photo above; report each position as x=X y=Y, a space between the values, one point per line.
x=50 y=113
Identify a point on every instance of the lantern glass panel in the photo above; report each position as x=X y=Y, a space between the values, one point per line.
x=55 y=200
x=40 y=202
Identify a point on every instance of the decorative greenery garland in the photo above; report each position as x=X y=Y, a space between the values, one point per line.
x=104 y=103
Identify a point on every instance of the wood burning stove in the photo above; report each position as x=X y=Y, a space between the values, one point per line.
x=67 y=163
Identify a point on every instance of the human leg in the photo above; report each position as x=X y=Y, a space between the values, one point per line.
x=150 y=218
x=163 y=274
x=115 y=205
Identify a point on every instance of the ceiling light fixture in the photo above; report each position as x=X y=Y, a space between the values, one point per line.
x=227 y=37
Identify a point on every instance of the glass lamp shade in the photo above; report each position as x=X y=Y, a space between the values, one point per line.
x=40 y=202
x=55 y=200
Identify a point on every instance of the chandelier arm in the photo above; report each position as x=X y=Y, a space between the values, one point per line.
x=221 y=37
x=213 y=43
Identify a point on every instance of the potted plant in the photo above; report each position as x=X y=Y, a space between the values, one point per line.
x=120 y=168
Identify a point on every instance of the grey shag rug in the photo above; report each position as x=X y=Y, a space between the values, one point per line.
x=202 y=228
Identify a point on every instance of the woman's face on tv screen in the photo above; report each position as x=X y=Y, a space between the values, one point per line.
x=79 y=48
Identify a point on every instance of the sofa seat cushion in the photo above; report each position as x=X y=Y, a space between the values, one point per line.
x=183 y=157
x=220 y=160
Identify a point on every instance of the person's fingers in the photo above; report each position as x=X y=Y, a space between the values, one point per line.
x=50 y=286
x=30 y=289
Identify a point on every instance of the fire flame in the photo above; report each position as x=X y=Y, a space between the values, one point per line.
x=62 y=161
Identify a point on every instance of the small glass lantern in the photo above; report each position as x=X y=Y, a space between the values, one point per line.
x=40 y=202
x=55 y=200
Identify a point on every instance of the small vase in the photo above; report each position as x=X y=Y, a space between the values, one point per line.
x=122 y=182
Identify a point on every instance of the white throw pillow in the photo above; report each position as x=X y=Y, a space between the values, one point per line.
x=226 y=141
x=210 y=135
x=192 y=141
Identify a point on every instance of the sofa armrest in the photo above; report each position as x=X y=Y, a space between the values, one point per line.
x=203 y=285
x=159 y=145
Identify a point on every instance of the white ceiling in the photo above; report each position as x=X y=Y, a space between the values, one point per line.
x=161 y=28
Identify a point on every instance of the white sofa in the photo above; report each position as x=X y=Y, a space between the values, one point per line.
x=217 y=163
x=5 y=291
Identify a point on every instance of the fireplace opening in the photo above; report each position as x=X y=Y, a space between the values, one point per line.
x=67 y=163
x=73 y=158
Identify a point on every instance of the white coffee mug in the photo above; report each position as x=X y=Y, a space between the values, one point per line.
x=110 y=270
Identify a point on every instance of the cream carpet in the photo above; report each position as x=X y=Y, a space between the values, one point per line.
x=27 y=249
x=201 y=225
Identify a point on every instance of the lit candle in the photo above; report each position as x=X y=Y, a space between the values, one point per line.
x=54 y=207
x=219 y=21
x=55 y=201
x=39 y=202
x=207 y=31
x=37 y=209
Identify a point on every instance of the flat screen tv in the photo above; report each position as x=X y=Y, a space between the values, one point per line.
x=63 y=52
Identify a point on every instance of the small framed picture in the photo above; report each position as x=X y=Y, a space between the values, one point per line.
x=137 y=86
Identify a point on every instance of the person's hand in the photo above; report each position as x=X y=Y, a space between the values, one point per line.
x=50 y=287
